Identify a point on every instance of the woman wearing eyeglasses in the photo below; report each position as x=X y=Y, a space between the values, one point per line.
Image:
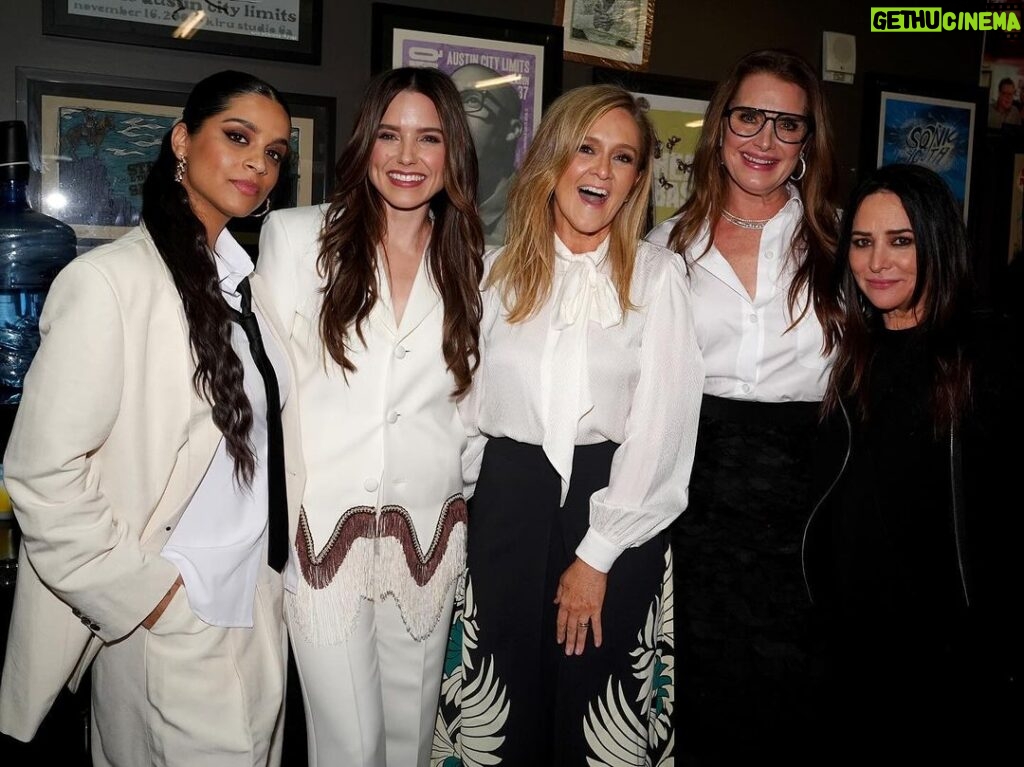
x=758 y=236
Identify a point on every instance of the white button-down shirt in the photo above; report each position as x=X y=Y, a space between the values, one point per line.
x=219 y=544
x=580 y=372
x=748 y=352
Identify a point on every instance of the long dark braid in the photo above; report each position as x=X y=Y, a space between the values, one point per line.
x=180 y=237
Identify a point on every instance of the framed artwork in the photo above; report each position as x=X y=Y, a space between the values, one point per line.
x=607 y=33
x=287 y=30
x=931 y=124
x=93 y=138
x=507 y=71
x=676 y=106
x=1002 y=70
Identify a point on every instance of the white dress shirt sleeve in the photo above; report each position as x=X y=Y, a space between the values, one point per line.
x=650 y=471
x=469 y=407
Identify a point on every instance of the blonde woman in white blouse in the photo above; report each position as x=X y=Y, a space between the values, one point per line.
x=586 y=404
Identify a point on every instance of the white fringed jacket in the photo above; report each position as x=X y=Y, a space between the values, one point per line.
x=382 y=511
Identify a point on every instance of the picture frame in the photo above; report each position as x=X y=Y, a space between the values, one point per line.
x=613 y=34
x=290 y=31
x=934 y=124
x=508 y=72
x=93 y=137
x=676 y=106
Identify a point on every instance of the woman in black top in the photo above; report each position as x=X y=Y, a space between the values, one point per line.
x=913 y=549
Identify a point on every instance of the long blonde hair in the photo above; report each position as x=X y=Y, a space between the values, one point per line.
x=524 y=269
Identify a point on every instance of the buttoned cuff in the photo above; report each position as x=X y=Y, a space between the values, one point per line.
x=597 y=551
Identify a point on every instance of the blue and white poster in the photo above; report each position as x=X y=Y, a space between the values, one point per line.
x=935 y=133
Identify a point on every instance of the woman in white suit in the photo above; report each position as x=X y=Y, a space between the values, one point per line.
x=379 y=292
x=141 y=472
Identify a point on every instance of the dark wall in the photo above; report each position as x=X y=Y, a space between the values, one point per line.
x=692 y=38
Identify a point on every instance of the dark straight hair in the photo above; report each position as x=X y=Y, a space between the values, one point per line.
x=944 y=291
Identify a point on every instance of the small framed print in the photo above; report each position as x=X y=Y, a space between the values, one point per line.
x=607 y=33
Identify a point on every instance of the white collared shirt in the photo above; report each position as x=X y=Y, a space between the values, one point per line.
x=748 y=353
x=580 y=372
x=220 y=542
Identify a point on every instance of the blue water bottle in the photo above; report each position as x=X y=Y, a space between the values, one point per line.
x=33 y=248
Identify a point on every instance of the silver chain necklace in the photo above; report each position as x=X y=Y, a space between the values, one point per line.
x=744 y=223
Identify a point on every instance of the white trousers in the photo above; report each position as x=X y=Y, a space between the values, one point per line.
x=371 y=701
x=190 y=694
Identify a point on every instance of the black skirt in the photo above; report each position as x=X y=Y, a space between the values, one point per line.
x=510 y=691
x=750 y=668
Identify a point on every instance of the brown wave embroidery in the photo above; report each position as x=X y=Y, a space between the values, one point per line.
x=395 y=523
x=360 y=522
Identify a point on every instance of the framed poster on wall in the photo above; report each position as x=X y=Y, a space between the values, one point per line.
x=288 y=30
x=92 y=139
x=506 y=71
x=607 y=33
x=931 y=124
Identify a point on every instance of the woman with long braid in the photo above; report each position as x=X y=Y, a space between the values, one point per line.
x=141 y=469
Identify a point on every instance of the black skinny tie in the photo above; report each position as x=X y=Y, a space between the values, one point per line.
x=277 y=549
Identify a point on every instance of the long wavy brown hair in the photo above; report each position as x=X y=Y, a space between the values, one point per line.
x=524 y=270
x=180 y=238
x=817 y=233
x=356 y=224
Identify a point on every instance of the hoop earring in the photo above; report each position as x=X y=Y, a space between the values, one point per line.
x=179 y=169
x=265 y=211
x=803 y=169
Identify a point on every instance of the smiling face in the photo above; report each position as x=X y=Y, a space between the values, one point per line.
x=883 y=259
x=759 y=165
x=407 y=162
x=597 y=181
x=1005 y=99
x=233 y=159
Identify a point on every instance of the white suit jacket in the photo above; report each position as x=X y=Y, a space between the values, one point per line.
x=109 y=444
x=383 y=513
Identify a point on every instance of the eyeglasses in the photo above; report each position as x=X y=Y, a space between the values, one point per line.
x=748 y=121
x=473 y=101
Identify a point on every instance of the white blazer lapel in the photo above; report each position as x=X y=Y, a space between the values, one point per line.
x=422 y=299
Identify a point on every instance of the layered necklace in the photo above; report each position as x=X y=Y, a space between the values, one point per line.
x=744 y=223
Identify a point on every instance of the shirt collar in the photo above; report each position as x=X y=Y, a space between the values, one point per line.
x=794 y=202
x=233 y=263
x=596 y=257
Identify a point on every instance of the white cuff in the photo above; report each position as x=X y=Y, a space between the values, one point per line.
x=597 y=551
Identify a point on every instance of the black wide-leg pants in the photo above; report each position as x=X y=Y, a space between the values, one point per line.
x=557 y=710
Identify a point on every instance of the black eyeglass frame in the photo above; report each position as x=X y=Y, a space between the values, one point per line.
x=493 y=106
x=769 y=116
